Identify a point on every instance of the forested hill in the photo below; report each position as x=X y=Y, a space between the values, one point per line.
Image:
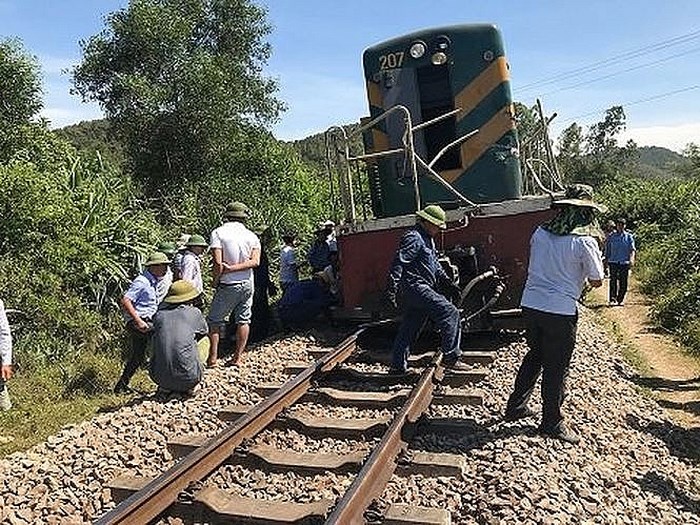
x=94 y=135
x=654 y=162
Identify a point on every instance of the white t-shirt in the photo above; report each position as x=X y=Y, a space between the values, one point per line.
x=558 y=269
x=191 y=270
x=237 y=244
x=288 y=268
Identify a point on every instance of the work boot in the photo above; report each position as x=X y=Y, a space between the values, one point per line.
x=122 y=388
x=561 y=433
x=455 y=364
x=514 y=415
x=5 y=403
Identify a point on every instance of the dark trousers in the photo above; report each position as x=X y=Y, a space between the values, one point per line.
x=260 y=322
x=419 y=303
x=2 y=384
x=138 y=342
x=551 y=338
x=619 y=272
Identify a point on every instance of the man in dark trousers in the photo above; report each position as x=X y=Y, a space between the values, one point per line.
x=413 y=278
x=139 y=305
x=564 y=255
x=619 y=252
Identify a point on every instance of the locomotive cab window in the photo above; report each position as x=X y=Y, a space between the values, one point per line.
x=436 y=99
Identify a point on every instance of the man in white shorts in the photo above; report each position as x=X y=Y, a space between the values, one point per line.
x=235 y=252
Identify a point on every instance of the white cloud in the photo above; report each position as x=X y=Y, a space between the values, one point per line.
x=671 y=137
x=51 y=65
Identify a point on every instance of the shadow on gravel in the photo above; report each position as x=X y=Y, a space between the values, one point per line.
x=665 y=488
x=681 y=442
x=687 y=406
x=468 y=435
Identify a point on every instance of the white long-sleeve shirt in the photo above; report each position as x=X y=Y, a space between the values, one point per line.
x=5 y=338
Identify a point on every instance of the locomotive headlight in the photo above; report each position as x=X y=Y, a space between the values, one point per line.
x=417 y=50
x=438 y=58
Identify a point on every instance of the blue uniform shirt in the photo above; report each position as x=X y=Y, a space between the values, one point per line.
x=416 y=261
x=143 y=296
x=319 y=256
x=619 y=247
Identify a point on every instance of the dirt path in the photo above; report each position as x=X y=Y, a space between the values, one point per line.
x=672 y=376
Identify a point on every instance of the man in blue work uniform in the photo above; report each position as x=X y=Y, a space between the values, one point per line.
x=414 y=275
x=619 y=252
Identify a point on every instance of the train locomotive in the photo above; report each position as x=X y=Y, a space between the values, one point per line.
x=441 y=130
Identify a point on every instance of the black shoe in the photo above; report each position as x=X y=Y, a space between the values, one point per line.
x=514 y=415
x=562 y=433
x=397 y=371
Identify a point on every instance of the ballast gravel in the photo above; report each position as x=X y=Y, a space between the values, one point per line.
x=633 y=464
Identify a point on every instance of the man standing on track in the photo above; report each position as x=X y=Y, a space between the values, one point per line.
x=235 y=252
x=414 y=275
x=619 y=252
x=563 y=255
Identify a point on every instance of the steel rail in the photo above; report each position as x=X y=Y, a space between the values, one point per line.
x=379 y=467
x=146 y=504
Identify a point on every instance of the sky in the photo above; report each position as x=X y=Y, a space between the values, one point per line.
x=579 y=58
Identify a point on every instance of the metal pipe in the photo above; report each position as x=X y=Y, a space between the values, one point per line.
x=491 y=272
x=451 y=144
x=437 y=119
x=437 y=178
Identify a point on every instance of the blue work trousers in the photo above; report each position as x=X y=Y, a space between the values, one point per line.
x=421 y=302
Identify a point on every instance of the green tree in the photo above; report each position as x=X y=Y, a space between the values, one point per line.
x=180 y=80
x=692 y=153
x=571 y=148
x=20 y=85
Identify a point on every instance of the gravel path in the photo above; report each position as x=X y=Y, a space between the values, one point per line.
x=633 y=465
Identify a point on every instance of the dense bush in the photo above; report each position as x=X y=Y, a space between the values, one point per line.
x=665 y=217
x=70 y=238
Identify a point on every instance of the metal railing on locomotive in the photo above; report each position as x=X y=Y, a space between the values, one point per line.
x=341 y=156
x=539 y=165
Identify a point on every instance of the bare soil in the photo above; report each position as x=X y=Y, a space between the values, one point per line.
x=669 y=373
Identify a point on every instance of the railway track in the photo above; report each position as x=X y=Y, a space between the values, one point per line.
x=342 y=376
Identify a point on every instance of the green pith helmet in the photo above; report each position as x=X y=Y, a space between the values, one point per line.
x=197 y=240
x=180 y=292
x=236 y=210
x=157 y=258
x=168 y=248
x=433 y=214
x=580 y=195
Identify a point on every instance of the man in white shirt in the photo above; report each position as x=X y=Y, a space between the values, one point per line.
x=564 y=255
x=5 y=358
x=235 y=252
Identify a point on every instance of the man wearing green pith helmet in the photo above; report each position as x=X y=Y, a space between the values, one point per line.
x=413 y=278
